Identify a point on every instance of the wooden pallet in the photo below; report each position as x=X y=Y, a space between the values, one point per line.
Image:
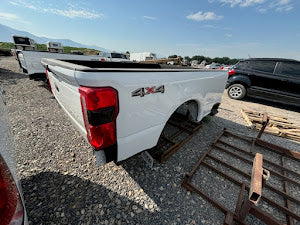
x=278 y=125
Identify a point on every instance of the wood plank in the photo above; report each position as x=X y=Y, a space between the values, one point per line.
x=261 y=114
x=278 y=125
x=246 y=118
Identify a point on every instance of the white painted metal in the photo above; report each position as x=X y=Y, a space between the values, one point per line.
x=31 y=60
x=55 y=47
x=24 y=43
x=111 y=57
x=141 y=119
x=143 y=56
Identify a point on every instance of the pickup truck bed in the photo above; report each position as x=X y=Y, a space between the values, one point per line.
x=30 y=61
x=130 y=103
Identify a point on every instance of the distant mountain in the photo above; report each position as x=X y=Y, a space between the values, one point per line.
x=7 y=32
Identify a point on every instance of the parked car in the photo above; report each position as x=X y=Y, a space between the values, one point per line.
x=12 y=209
x=213 y=66
x=226 y=67
x=121 y=108
x=267 y=78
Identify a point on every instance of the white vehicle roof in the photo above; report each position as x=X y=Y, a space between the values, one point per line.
x=142 y=56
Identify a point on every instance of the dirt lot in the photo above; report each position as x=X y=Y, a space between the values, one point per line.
x=63 y=185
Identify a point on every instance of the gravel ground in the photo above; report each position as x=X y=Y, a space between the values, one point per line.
x=63 y=185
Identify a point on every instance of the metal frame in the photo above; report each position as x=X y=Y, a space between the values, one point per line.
x=185 y=126
x=245 y=207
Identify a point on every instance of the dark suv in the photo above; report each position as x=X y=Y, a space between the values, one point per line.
x=268 y=78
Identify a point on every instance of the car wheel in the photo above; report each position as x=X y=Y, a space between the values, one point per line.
x=236 y=91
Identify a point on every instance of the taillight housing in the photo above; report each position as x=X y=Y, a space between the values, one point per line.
x=48 y=80
x=11 y=206
x=100 y=110
x=231 y=72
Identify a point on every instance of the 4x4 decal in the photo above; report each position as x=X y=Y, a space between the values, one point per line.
x=148 y=90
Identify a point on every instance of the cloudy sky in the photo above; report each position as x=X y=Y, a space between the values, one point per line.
x=234 y=28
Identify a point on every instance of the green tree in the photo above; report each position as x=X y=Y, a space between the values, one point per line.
x=6 y=45
x=199 y=58
x=187 y=58
x=172 y=56
x=43 y=47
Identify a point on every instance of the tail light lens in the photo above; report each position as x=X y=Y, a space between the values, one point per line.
x=231 y=72
x=11 y=206
x=100 y=110
x=103 y=60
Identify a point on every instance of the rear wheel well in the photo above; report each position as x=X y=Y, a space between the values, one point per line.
x=239 y=82
x=239 y=79
x=189 y=109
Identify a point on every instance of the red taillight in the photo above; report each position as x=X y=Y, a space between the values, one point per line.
x=231 y=72
x=11 y=207
x=48 y=80
x=99 y=109
x=102 y=59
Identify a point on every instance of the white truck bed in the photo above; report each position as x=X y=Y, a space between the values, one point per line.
x=30 y=61
x=141 y=118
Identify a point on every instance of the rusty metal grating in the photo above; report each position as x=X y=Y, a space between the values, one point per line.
x=278 y=161
x=178 y=131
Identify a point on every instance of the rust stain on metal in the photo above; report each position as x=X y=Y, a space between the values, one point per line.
x=264 y=122
x=279 y=149
x=290 y=220
x=256 y=179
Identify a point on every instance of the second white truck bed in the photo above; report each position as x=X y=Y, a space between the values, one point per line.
x=30 y=61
